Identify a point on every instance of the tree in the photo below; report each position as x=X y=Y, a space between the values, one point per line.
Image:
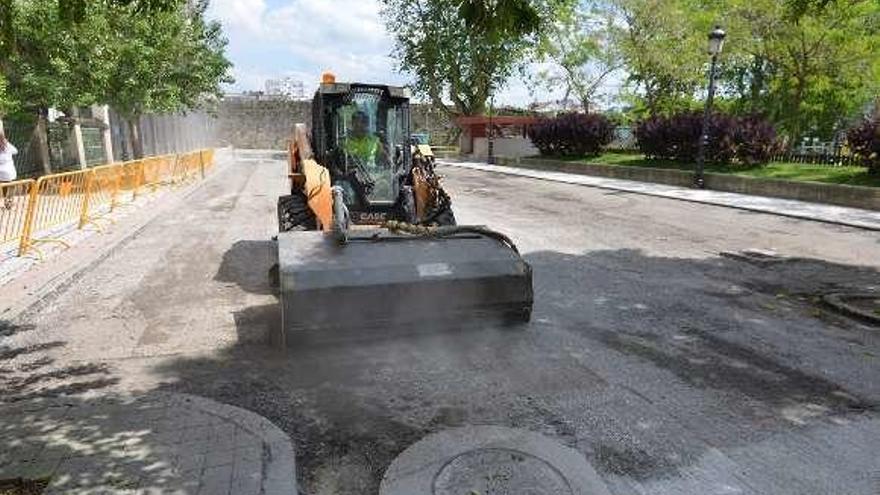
x=798 y=8
x=75 y=11
x=662 y=43
x=166 y=62
x=808 y=65
x=48 y=63
x=464 y=51
x=581 y=46
x=137 y=55
x=810 y=71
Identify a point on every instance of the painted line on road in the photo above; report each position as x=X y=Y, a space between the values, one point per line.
x=837 y=215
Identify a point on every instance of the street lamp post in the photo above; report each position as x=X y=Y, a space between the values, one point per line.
x=490 y=142
x=716 y=43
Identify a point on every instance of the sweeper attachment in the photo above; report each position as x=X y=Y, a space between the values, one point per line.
x=367 y=235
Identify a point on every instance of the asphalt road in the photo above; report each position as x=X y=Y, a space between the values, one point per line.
x=673 y=369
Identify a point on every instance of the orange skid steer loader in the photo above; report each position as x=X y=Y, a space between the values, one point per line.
x=367 y=236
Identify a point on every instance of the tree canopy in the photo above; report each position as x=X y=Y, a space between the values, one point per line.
x=811 y=66
x=164 y=62
x=138 y=56
x=117 y=53
x=580 y=45
x=464 y=51
x=808 y=73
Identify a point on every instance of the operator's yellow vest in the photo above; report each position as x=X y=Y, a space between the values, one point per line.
x=363 y=148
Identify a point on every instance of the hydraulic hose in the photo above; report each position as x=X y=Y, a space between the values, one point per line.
x=448 y=231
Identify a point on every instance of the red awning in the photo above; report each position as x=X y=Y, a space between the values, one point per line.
x=471 y=120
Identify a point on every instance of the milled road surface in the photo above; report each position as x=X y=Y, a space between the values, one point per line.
x=674 y=370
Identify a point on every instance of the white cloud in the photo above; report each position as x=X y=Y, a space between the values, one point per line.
x=307 y=37
x=244 y=16
x=302 y=38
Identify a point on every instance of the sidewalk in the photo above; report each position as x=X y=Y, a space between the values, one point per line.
x=27 y=280
x=159 y=443
x=865 y=219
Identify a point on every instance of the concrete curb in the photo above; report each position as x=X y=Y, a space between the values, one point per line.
x=835 y=215
x=18 y=297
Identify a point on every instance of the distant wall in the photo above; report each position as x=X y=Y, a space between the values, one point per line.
x=514 y=147
x=253 y=122
x=266 y=122
x=160 y=134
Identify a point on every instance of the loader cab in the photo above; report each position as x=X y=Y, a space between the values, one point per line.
x=361 y=133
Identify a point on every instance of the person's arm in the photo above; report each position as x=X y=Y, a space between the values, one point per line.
x=12 y=149
x=382 y=151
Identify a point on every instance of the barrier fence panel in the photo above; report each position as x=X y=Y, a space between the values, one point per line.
x=103 y=193
x=60 y=199
x=31 y=210
x=194 y=164
x=188 y=166
x=178 y=173
x=130 y=177
x=14 y=200
x=158 y=170
x=207 y=159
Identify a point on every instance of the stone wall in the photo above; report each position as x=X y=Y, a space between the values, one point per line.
x=261 y=122
x=426 y=119
x=252 y=122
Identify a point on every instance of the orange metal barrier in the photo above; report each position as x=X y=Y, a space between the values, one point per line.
x=130 y=181
x=14 y=200
x=58 y=200
x=103 y=192
x=158 y=170
x=188 y=166
x=207 y=159
x=30 y=210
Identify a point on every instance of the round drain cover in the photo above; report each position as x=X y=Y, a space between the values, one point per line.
x=490 y=460
x=499 y=471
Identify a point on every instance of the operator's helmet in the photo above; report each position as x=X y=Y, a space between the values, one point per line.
x=360 y=116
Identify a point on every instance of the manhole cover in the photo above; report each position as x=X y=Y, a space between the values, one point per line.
x=499 y=472
x=490 y=460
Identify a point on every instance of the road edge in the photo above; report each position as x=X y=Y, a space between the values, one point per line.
x=59 y=280
x=756 y=209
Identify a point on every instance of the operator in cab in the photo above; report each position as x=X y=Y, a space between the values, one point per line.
x=362 y=144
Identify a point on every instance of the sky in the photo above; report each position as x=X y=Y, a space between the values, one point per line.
x=270 y=39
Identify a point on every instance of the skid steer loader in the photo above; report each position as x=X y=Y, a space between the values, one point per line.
x=367 y=236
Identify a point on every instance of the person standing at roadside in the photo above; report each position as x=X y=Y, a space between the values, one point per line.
x=7 y=167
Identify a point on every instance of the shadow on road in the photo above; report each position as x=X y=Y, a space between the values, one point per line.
x=28 y=371
x=737 y=353
x=247 y=264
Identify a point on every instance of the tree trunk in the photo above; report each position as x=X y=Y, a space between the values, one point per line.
x=797 y=127
x=41 y=133
x=134 y=131
x=585 y=103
